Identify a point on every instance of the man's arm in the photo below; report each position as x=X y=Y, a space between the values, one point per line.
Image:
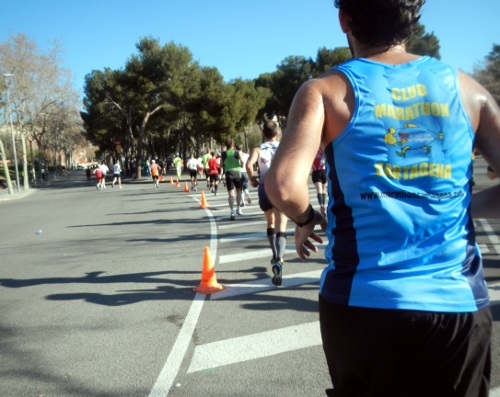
x=484 y=114
x=286 y=180
x=254 y=157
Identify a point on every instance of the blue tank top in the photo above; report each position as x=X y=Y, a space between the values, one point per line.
x=400 y=234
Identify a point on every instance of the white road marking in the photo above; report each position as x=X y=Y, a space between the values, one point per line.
x=238 y=217
x=494 y=293
x=495 y=392
x=233 y=225
x=250 y=236
x=265 y=344
x=254 y=286
x=495 y=241
x=253 y=254
x=174 y=360
x=171 y=368
x=251 y=347
x=483 y=248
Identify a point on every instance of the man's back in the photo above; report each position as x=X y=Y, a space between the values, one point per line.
x=409 y=135
x=231 y=160
x=404 y=283
x=204 y=160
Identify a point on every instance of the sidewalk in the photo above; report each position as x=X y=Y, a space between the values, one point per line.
x=5 y=196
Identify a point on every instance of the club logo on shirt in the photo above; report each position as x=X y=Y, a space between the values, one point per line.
x=412 y=137
x=419 y=140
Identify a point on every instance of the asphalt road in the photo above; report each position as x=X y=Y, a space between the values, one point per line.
x=101 y=302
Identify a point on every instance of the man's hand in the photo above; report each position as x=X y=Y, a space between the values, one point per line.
x=303 y=235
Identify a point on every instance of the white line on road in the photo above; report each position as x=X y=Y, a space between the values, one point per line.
x=495 y=392
x=249 y=236
x=174 y=360
x=250 y=347
x=254 y=286
x=253 y=254
x=495 y=241
x=483 y=248
x=494 y=294
x=178 y=352
x=233 y=225
x=226 y=216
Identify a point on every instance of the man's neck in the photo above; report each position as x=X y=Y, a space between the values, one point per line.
x=395 y=54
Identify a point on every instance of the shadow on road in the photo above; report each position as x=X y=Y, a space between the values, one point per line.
x=176 y=290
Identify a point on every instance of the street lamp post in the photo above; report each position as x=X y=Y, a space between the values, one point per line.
x=12 y=132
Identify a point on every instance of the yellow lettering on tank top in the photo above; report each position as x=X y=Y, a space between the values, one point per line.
x=419 y=170
x=424 y=169
x=414 y=172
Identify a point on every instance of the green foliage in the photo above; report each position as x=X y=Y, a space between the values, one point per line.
x=254 y=140
x=326 y=59
x=421 y=43
x=291 y=74
x=192 y=104
x=283 y=84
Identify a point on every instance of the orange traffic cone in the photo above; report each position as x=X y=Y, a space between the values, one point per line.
x=161 y=178
x=208 y=284
x=203 y=203
x=186 y=189
x=171 y=181
x=177 y=184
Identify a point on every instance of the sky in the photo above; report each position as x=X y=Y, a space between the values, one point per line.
x=241 y=38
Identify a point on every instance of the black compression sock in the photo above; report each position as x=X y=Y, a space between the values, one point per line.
x=271 y=236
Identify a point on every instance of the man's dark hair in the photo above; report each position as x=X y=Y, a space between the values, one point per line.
x=270 y=129
x=238 y=146
x=229 y=143
x=381 y=22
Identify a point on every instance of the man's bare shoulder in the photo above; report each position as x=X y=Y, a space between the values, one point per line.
x=327 y=81
x=475 y=97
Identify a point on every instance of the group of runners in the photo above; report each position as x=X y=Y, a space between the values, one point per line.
x=236 y=169
x=100 y=173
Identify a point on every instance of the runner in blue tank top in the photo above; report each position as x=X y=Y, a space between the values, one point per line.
x=404 y=307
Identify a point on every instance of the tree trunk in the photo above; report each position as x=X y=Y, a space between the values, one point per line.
x=6 y=168
x=245 y=135
x=33 y=161
x=140 y=138
x=168 y=139
x=26 y=177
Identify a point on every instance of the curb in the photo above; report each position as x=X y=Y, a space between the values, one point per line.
x=17 y=196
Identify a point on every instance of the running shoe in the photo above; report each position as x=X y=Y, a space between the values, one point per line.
x=277 y=272
x=248 y=199
x=232 y=217
x=239 y=212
